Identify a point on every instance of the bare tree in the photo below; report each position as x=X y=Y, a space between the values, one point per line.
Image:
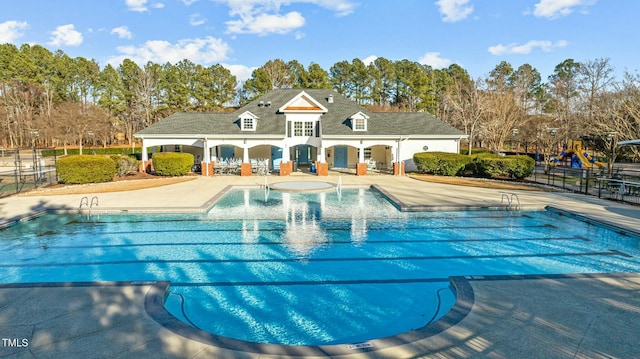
x=616 y=116
x=464 y=107
x=595 y=80
x=501 y=116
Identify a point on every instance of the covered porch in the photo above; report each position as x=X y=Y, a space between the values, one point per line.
x=246 y=157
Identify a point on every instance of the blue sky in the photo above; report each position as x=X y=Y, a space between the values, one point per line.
x=244 y=34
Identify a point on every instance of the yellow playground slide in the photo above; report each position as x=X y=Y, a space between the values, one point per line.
x=585 y=158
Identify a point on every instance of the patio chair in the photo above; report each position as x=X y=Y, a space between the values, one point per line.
x=276 y=165
x=371 y=164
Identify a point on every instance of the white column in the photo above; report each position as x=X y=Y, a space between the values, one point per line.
x=361 y=154
x=145 y=155
x=322 y=155
x=206 y=154
x=245 y=155
x=285 y=153
x=394 y=154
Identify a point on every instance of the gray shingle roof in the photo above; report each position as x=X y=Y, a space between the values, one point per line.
x=334 y=123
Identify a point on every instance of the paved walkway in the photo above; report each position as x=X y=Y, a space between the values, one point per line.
x=495 y=317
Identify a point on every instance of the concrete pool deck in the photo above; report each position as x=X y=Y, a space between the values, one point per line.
x=582 y=316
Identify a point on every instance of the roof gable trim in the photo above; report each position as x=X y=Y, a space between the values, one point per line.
x=303 y=102
x=248 y=114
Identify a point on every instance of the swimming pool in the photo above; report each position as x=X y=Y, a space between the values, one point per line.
x=308 y=268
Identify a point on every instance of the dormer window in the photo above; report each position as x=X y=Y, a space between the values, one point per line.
x=359 y=122
x=248 y=124
x=248 y=121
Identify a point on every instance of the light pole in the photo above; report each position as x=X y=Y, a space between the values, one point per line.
x=514 y=134
x=90 y=134
x=611 y=140
x=552 y=133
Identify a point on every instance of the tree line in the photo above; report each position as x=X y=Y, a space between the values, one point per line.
x=50 y=99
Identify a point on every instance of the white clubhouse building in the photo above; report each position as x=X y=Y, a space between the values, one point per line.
x=293 y=127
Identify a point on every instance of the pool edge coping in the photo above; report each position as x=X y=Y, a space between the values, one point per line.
x=616 y=227
x=155 y=309
x=404 y=207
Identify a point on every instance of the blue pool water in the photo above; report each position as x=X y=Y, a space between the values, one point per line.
x=308 y=268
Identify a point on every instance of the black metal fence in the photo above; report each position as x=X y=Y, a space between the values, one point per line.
x=23 y=169
x=622 y=185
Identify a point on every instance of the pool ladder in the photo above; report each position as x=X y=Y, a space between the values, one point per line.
x=511 y=204
x=84 y=202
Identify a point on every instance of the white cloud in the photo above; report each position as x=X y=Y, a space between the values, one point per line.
x=454 y=10
x=136 y=5
x=241 y=72
x=122 y=32
x=10 y=30
x=264 y=24
x=65 y=35
x=527 y=48
x=201 y=51
x=263 y=17
x=553 y=9
x=189 y=2
x=340 y=7
x=369 y=59
x=434 y=60
x=196 y=19
x=141 y=5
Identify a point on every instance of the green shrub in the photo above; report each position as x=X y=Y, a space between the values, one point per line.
x=81 y=169
x=125 y=165
x=492 y=166
x=521 y=166
x=482 y=164
x=440 y=163
x=172 y=163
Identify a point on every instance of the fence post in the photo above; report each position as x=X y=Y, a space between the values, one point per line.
x=17 y=167
x=599 y=189
x=55 y=162
x=586 y=181
x=34 y=167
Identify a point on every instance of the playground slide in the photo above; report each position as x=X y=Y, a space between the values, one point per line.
x=573 y=150
x=586 y=162
x=554 y=160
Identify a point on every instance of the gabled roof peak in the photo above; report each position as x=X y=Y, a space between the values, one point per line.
x=359 y=115
x=303 y=102
x=249 y=114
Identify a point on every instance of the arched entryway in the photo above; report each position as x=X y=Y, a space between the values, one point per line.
x=303 y=156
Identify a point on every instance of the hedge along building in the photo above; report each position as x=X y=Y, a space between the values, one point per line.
x=302 y=127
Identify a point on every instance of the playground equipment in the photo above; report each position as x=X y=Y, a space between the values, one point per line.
x=579 y=157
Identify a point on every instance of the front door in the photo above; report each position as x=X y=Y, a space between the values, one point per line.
x=302 y=154
x=340 y=157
